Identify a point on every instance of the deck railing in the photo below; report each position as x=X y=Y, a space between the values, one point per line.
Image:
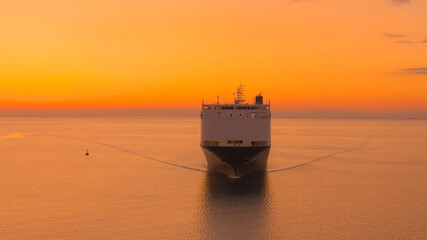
x=235 y=106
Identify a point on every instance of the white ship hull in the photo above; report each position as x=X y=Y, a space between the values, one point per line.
x=236 y=138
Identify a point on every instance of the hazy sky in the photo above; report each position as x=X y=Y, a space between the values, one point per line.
x=359 y=54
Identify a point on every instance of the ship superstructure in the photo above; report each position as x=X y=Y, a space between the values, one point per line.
x=236 y=138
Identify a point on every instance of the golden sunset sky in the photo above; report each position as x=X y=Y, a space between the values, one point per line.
x=349 y=54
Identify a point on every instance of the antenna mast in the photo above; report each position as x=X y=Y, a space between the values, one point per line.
x=240 y=94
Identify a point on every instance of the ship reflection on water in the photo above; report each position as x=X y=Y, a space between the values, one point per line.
x=235 y=208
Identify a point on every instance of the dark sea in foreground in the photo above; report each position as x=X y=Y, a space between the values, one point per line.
x=145 y=178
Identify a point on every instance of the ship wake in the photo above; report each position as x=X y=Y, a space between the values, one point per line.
x=129 y=152
x=361 y=145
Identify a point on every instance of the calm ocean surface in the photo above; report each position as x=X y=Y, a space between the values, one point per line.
x=145 y=178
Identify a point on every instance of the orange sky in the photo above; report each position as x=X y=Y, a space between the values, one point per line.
x=172 y=54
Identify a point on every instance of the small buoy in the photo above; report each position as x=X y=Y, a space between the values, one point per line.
x=87 y=152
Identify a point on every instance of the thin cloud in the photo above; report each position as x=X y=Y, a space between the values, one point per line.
x=405 y=42
x=297 y=1
x=394 y=35
x=402 y=38
x=421 y=71
x=398 y=2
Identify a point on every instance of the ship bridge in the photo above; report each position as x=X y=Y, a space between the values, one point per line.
x=236 y=125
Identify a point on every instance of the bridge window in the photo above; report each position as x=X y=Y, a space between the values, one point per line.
x=259 y=143
x=260 y=115
x=211 y=143
x=235 y=142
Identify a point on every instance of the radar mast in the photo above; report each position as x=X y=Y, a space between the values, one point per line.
x=240 y=95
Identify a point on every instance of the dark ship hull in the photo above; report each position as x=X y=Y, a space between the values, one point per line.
x=236 y=161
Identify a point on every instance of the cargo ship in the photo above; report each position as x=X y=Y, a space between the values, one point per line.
x=236 y=138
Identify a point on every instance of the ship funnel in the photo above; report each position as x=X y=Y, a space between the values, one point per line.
x=259 y=99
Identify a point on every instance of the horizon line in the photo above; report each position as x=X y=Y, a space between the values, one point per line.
x=190 y=112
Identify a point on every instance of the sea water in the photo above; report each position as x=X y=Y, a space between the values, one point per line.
x=146 y=178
